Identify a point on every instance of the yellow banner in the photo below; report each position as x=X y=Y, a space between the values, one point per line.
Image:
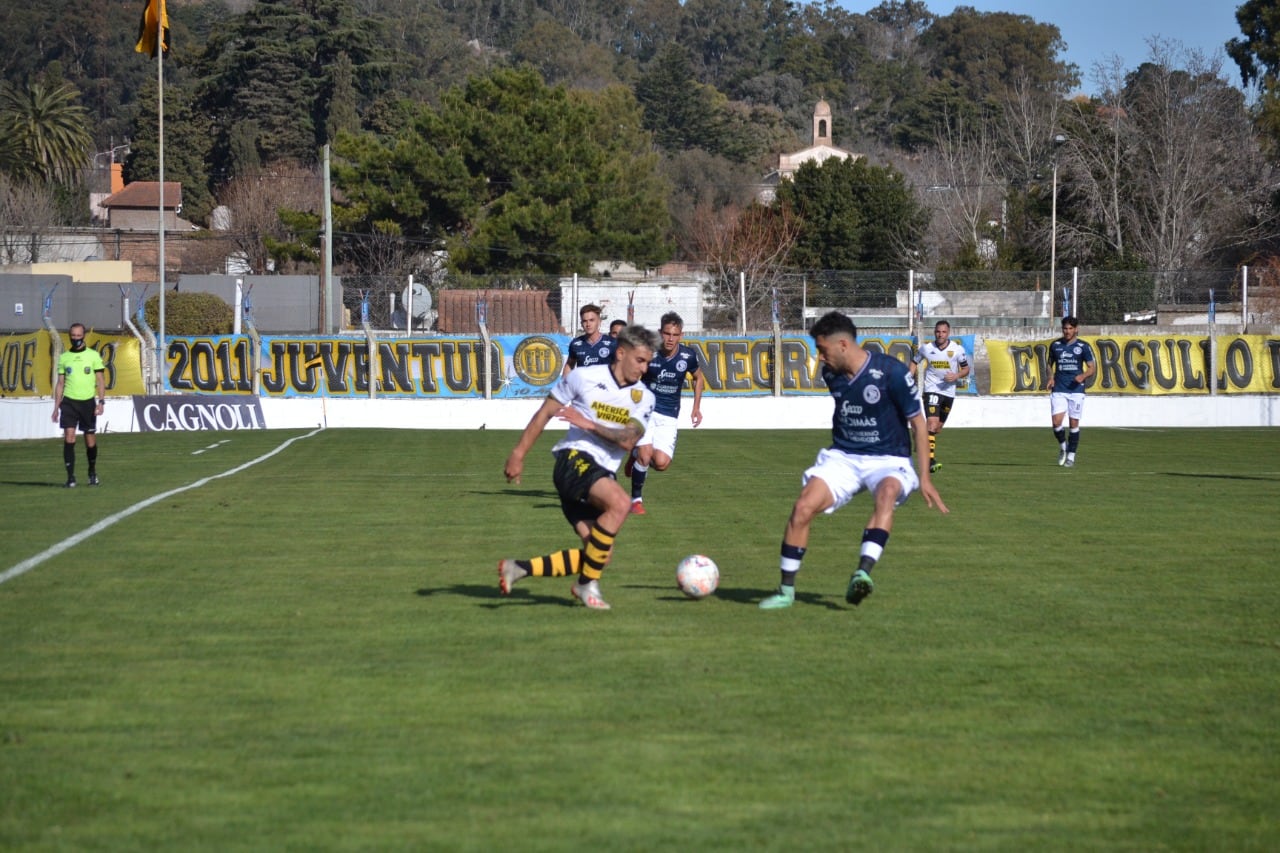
x=1152 y=364
x=26 y=363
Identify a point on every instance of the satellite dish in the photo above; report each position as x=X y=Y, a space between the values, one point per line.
x=417 y=298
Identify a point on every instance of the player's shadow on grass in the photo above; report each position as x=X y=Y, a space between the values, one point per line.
x=516 y=493
x=526 y=595
x=37 y=483
x=494 y=598
x=744 y=595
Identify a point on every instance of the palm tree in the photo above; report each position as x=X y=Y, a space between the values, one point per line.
x=43 y=134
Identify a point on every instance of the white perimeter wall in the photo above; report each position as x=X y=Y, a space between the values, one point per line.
x=31 y=418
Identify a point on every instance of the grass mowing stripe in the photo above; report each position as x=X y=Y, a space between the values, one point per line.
x=71 y=541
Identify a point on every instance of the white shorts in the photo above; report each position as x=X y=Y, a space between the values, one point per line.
x=661 y=434
x=1072 y=404
x=846 y=474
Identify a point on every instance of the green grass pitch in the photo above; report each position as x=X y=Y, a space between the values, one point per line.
x=312 y=653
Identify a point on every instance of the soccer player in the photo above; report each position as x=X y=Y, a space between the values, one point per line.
x=945 y=363
x=875 y=405
x=1072 y=363
x=615 y=327
x=78 y=398
x=608 y=410
x=592 y=346
x=666 y=377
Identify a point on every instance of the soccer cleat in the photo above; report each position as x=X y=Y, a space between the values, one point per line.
x=589 y=594
x=509 y=572
x=1071 y=461
x=1062 y=456
x=637 y=507
x=860 y=586
x=935 y=466
x=93 y=479
x=785 y=597
x=71 y=483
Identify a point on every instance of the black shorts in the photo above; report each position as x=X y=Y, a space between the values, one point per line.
x=937 y=406
x=575 y=474
x=79 y=414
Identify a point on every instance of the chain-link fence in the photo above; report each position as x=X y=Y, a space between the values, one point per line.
x=882 y=302
x=397 y=303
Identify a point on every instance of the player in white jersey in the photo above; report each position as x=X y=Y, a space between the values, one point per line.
x=608 y=410
x=945 y=363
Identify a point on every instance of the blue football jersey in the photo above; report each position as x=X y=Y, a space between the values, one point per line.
x=666 y=377
x=584 y=353
x=873 y=407
x=1069 y=360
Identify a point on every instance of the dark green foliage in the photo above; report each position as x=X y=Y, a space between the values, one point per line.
x=679 y=111
x=853 y=216
x=1257 y=52
x=509 y=174
x=187 y=148
x=982 y=54
x=255 y=82
x=191 y=314
x=268 y=77
x=43 y=131
x=1257 y=55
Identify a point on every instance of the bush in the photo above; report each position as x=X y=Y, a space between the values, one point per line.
x=191 y=314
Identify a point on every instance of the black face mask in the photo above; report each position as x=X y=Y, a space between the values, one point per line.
x=77 y=344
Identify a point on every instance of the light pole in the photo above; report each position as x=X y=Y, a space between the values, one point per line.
x=1058 y=139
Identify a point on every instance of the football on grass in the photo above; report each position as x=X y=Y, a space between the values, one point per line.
x=697 y=576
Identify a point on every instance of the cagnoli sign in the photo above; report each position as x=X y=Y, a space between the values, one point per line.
x=198 y=413
x=1167 y=364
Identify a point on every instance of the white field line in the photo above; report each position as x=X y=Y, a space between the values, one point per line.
x=71 y=541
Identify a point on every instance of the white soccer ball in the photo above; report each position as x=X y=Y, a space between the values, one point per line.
x=697 y=576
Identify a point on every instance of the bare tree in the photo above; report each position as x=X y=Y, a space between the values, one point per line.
x=963 y=185
x=256 y=201
x=1170 y=166
x=752 y=243
x=28 y=212
x=1101 y=153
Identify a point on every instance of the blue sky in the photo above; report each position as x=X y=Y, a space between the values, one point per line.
x=1095 y=30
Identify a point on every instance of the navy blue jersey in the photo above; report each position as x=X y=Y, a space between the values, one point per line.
x=873 y=408
x=584 y=354
x=1068 y=361
x=666 y=375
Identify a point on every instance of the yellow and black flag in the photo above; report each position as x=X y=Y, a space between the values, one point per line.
x=154 y=17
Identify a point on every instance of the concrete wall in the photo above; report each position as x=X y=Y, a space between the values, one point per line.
x=96 y=304
x=282 y=304
x=26 y=418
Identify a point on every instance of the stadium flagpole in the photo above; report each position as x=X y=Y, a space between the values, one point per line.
x=160 y=171
x=153 y=38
